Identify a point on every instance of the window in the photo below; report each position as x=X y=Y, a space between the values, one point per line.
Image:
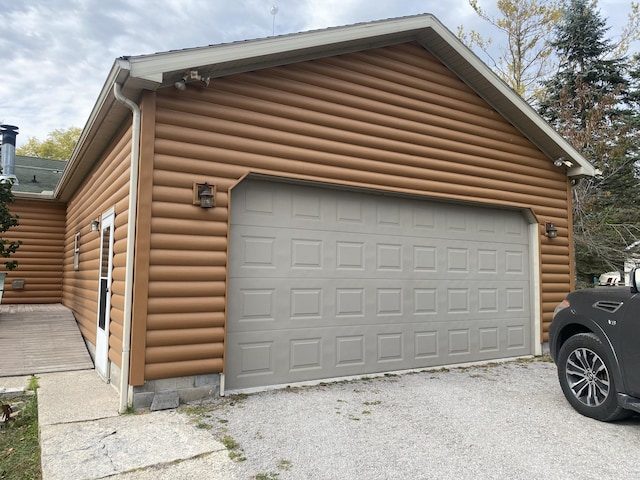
x=76 y=252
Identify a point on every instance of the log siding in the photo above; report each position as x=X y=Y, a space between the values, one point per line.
x=390 y=119
x=42 y=232
x=107 y=186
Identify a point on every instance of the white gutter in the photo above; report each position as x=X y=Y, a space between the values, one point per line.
x=125 y=392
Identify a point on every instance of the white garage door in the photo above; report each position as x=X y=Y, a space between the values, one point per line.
x=328 y=283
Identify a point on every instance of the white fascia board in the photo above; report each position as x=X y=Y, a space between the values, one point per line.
x=581 y=171
x=150 y=66
x=584 y=167
x=154 y=77
x=44 y=195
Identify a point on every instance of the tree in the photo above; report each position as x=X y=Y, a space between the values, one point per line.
x=631 y=31
x=527 y=57
x=589 y=101
x=59 y=144
x=7 y=220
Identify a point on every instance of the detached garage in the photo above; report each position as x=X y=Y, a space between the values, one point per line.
x=348 y=201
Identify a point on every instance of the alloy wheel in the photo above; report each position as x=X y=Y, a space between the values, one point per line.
x=587 y=377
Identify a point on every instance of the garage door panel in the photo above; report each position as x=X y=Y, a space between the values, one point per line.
x=331 y=302
x=295 y=356
x=296 y=253
x=342 y=211
x=328 y=283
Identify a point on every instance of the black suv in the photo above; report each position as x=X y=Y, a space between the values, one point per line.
x=595 y=342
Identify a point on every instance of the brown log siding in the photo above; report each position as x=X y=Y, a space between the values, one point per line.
x=107 y=186
x=41 y=229
x=390 y=119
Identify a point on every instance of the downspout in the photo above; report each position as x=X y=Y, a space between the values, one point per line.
x=131 y=237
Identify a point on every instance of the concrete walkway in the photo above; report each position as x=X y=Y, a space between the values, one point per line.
x=82 y=437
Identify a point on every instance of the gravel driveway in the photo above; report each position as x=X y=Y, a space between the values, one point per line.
x=501 y=421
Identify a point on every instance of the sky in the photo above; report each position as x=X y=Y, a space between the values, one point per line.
x=55 y=54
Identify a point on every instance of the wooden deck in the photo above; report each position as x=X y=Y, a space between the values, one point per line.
x=40 y=339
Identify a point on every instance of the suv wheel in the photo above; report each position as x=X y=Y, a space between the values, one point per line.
x=586 y=378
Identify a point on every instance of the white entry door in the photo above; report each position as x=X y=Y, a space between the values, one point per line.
x=104 y=296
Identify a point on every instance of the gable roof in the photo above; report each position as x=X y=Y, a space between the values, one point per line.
x=151 y=72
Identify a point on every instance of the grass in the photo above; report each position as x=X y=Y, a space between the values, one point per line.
x=235 y=452
x=284 y=465
x=229 y=442
x=267 y=476
x=19 y=443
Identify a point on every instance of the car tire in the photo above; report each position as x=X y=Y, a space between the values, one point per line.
x=586 y=377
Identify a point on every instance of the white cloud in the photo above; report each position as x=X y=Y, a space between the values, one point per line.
x=57 y=53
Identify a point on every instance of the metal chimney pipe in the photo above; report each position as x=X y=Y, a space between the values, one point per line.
x=9 y=133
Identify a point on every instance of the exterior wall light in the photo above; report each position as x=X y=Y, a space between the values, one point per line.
x=562 y=162
x=94 y=226
x=204 y=195
x=552 y=231
x=189 y=76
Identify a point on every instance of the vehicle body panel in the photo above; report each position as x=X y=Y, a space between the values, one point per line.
x=613 y=315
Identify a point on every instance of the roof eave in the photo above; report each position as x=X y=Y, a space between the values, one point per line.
x=42 y=196
x=461 y=60
x=105 y=119
x=281 y=49
x=151 y=72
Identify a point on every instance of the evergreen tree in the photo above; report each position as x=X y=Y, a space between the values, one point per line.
x=589 y=101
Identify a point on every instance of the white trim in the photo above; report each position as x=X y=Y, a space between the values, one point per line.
x=137 y=73
x=147 y=66
x=536 y=294
x=102 y=362
x=584 y=168
x=76 y=251
x=152 y=67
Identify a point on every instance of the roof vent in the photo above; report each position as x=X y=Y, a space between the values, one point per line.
x=9 y=133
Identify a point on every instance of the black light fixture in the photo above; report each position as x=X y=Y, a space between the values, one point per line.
x=205 y=194
x=94 y=226
x=552 y=231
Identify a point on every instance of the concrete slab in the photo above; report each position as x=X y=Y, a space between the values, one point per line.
x=216 y=465
x=11 y=392
x=82 y=436
x=111 y=446
x=65 y=397
x=14 y=382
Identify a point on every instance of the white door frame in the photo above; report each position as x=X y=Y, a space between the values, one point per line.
x=104 y=294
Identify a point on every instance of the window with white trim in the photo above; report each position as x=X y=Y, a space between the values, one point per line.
x=76 y=252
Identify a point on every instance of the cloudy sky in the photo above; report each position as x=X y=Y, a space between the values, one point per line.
x=55 y=54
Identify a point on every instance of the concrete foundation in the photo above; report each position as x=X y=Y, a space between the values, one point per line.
x=188 y=389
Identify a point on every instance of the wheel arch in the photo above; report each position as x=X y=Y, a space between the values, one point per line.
x=571 y=329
